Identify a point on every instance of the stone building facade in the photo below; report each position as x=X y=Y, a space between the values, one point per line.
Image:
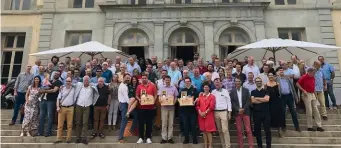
x=178 y=28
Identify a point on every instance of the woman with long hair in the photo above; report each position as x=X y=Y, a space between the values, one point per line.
x=112 y=112
x=205 y=107
x=132 y=102
x=31 y=116
x=277 y=112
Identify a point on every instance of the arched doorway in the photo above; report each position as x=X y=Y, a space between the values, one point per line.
x=134 y=41
x=183 y=44
x=230 y=39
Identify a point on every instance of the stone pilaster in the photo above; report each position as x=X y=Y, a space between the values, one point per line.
x=209 y=46
x=109 y=33
x=260 y=30
x=158 y=40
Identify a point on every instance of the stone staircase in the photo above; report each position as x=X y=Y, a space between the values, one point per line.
x=331 y=138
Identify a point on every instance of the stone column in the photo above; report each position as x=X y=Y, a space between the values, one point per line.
x=209 y=46
x=158 y=40
x=109 y=33
x=260 y=30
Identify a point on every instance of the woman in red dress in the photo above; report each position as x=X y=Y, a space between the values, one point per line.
x=205 y=107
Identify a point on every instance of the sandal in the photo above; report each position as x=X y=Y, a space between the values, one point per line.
x=93 y=136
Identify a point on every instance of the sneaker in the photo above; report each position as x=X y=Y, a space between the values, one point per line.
x=335 y=107
x=320 y=129
x=140 y=140
x=170 y=141
x=325 y=118
x=311 y=129
x=149 y=141
x=163 y=141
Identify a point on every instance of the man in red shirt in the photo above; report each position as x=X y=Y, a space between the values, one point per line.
x=146 y=113
x=307 y=85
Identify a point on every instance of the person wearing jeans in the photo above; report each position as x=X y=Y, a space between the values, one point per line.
x=329 y=75
x=22 y=82
x=123 y=98
x=288 y=95
x=146 y=113
x=49 y=105
x=307 y=85
x=240 y=100
x=188 y=114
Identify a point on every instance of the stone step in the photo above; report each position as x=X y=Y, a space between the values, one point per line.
x=288 y=121
x=288 y=133
x=154 y=145
x=176 y=127
x=288 y=116
x=156 y=139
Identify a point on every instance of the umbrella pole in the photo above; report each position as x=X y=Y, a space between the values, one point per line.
x=274 y=55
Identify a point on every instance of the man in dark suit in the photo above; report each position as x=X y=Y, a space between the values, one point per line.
x=239 y=74
x=240 y=100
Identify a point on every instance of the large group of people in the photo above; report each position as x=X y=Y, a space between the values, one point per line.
x=205 y=96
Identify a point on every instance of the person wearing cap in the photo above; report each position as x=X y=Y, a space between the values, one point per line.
x=307 y=85
x=94 y=80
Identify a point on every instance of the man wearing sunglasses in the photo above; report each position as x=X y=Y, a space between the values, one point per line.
x=260 y=100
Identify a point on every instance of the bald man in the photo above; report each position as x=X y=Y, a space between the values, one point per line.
x=86 y=95
x=174 y=74
x=35 y=68
x=101 y=107
x=251 y=67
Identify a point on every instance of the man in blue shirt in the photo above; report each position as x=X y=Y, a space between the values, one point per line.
x=329 y=75
x=174 y=74
x=197 y=79
x=131 y=65
x=320 y=86
x=107 y=74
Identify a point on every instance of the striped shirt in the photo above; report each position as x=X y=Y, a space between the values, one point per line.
x=23 y=81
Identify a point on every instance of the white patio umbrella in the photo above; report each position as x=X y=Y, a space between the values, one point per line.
x=281 y=48
x=91 y=48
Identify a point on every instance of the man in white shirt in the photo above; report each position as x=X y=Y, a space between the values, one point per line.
x=160 y=83
x=264 y=75
x=222 y=112
x=174 y=74
x=86 y=95
x=251 y=67
x=123 y=98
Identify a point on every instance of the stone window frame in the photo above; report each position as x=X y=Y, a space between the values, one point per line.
x=183 y=1
x=80 y=36
x=137 y=2
x=286 y=2
x=230 y=1
x=14 y=50
x=290 y=31
x=71 y=4
x=8 y=5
